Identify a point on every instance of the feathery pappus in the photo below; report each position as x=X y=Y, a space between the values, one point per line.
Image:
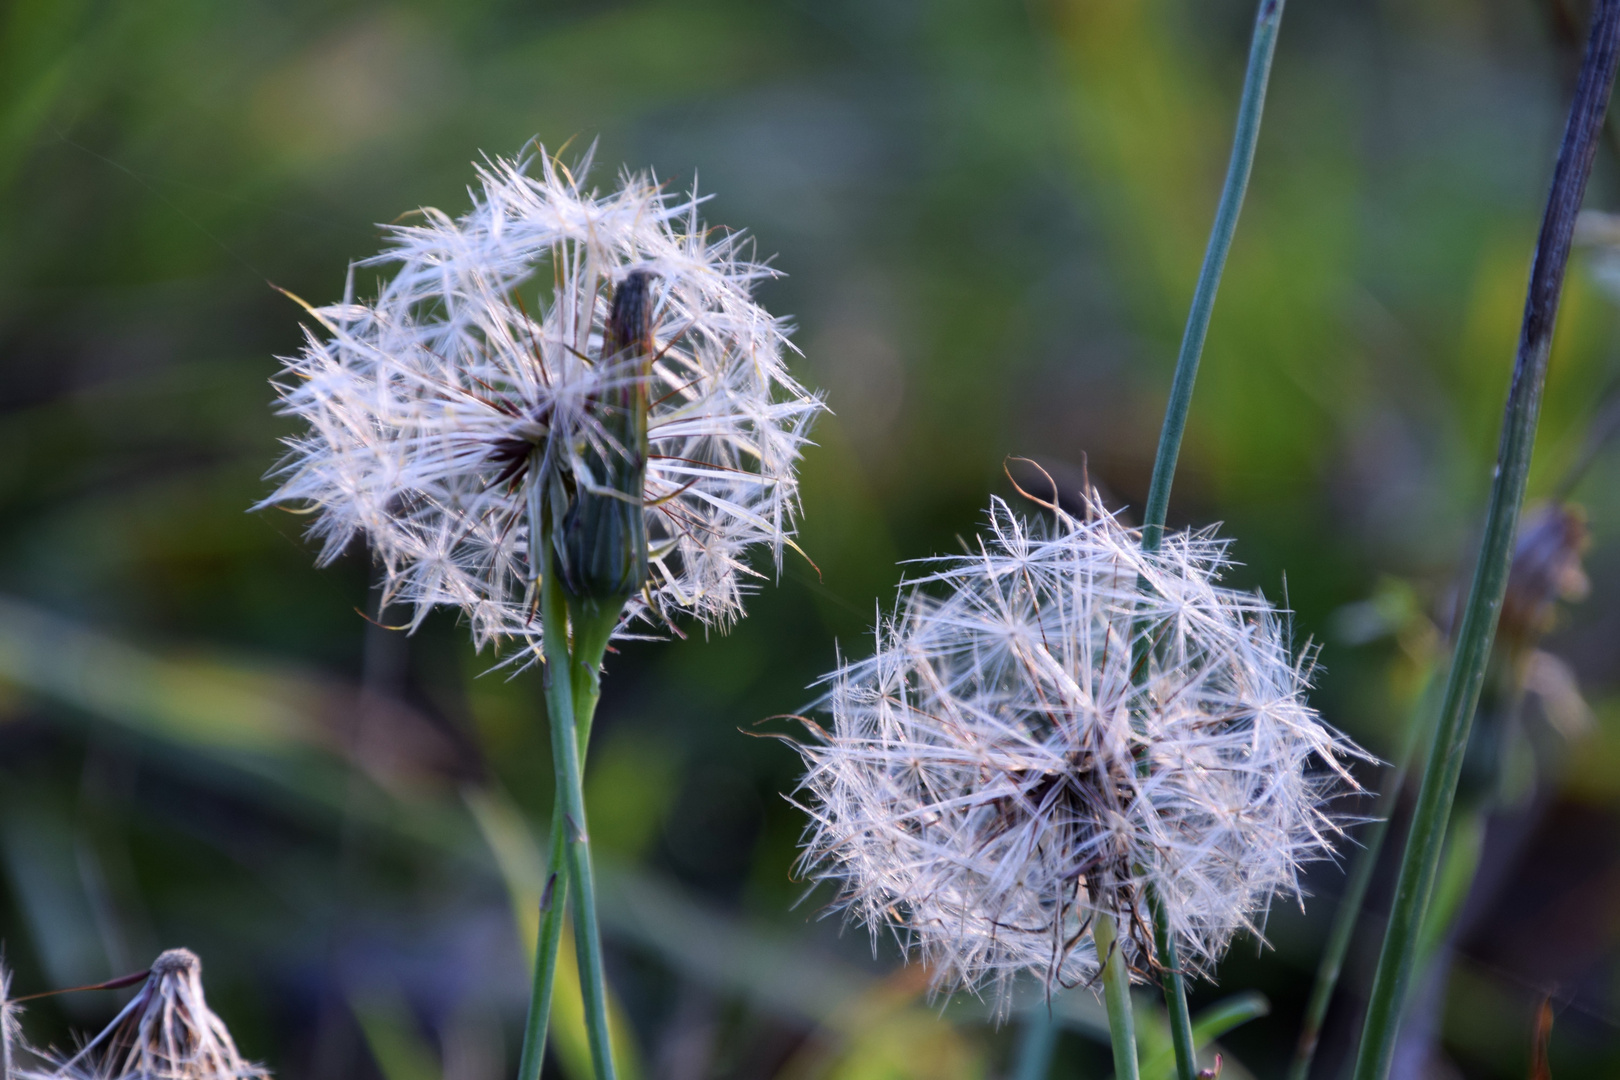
x=554 y=363
x=1049 y=725
x=166 y=1032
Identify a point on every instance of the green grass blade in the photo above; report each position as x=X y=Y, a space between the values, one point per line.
x=1209 y=1025
x=1478 y=627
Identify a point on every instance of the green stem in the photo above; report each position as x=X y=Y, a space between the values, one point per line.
x=552 y=902
x=1117 y=995
x=1262 y=47
x=1478 y=627
x=586 y=688
x=1344 y=926
x=560 y=672
x=1175 y=989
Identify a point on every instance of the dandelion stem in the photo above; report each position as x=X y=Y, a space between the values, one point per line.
x=1116 y=994
x=1175 y=989
x=586 y=691
x=1035 y=1046
x=1478 y=626
x=560 y=668
x=552 y=904
x=1262 y=46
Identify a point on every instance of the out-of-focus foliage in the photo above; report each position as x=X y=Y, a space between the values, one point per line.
x=991 y=217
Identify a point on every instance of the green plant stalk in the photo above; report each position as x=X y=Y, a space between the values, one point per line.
x=586 y=686
x=1035 y=1046
x=1208 y=1026
x=1262 y=47
x=1474 y=637
x=1117 y=995
x=1355 y=887
x=559 y=670
x=1344 y=928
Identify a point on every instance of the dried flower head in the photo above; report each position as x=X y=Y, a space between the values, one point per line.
x=166 y=1032
x=555 y=363
x=1049 y=726
x=10 y=1033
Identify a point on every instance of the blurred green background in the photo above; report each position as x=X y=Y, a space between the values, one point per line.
x=991 y=217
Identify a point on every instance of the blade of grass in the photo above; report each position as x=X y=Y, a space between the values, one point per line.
x=1209 y=1025
x=1478 y=626
x=1262 y=47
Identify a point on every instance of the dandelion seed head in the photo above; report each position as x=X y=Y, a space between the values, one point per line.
x=1052 y=724
x=477 y=374
x=166 y=1032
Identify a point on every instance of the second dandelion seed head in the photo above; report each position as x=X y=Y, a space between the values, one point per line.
x=1052 y=725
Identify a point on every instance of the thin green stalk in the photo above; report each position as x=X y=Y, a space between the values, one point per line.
x=1478 y=627
x=552 y=903
x=1262 y=47
x=1175 y=990
x=1036 y=1045
x=576 y=843
x=1344 y=927
x=586 y=686
x=1355 y=887
x=1117 y=995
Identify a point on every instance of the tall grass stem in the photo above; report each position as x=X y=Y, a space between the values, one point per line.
x=1478 y=627
x=1345 y=920
x=1262 y=47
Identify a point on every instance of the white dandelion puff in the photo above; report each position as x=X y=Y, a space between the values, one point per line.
x=166 y=1032
x=484 y=397
x=1049 y=726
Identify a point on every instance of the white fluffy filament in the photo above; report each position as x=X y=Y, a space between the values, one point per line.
x=1048 y=726
x=430 y=408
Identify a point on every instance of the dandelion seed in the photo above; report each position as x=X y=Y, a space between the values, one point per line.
x=166 y=1032
x=487 y=391
x=1000 y=770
